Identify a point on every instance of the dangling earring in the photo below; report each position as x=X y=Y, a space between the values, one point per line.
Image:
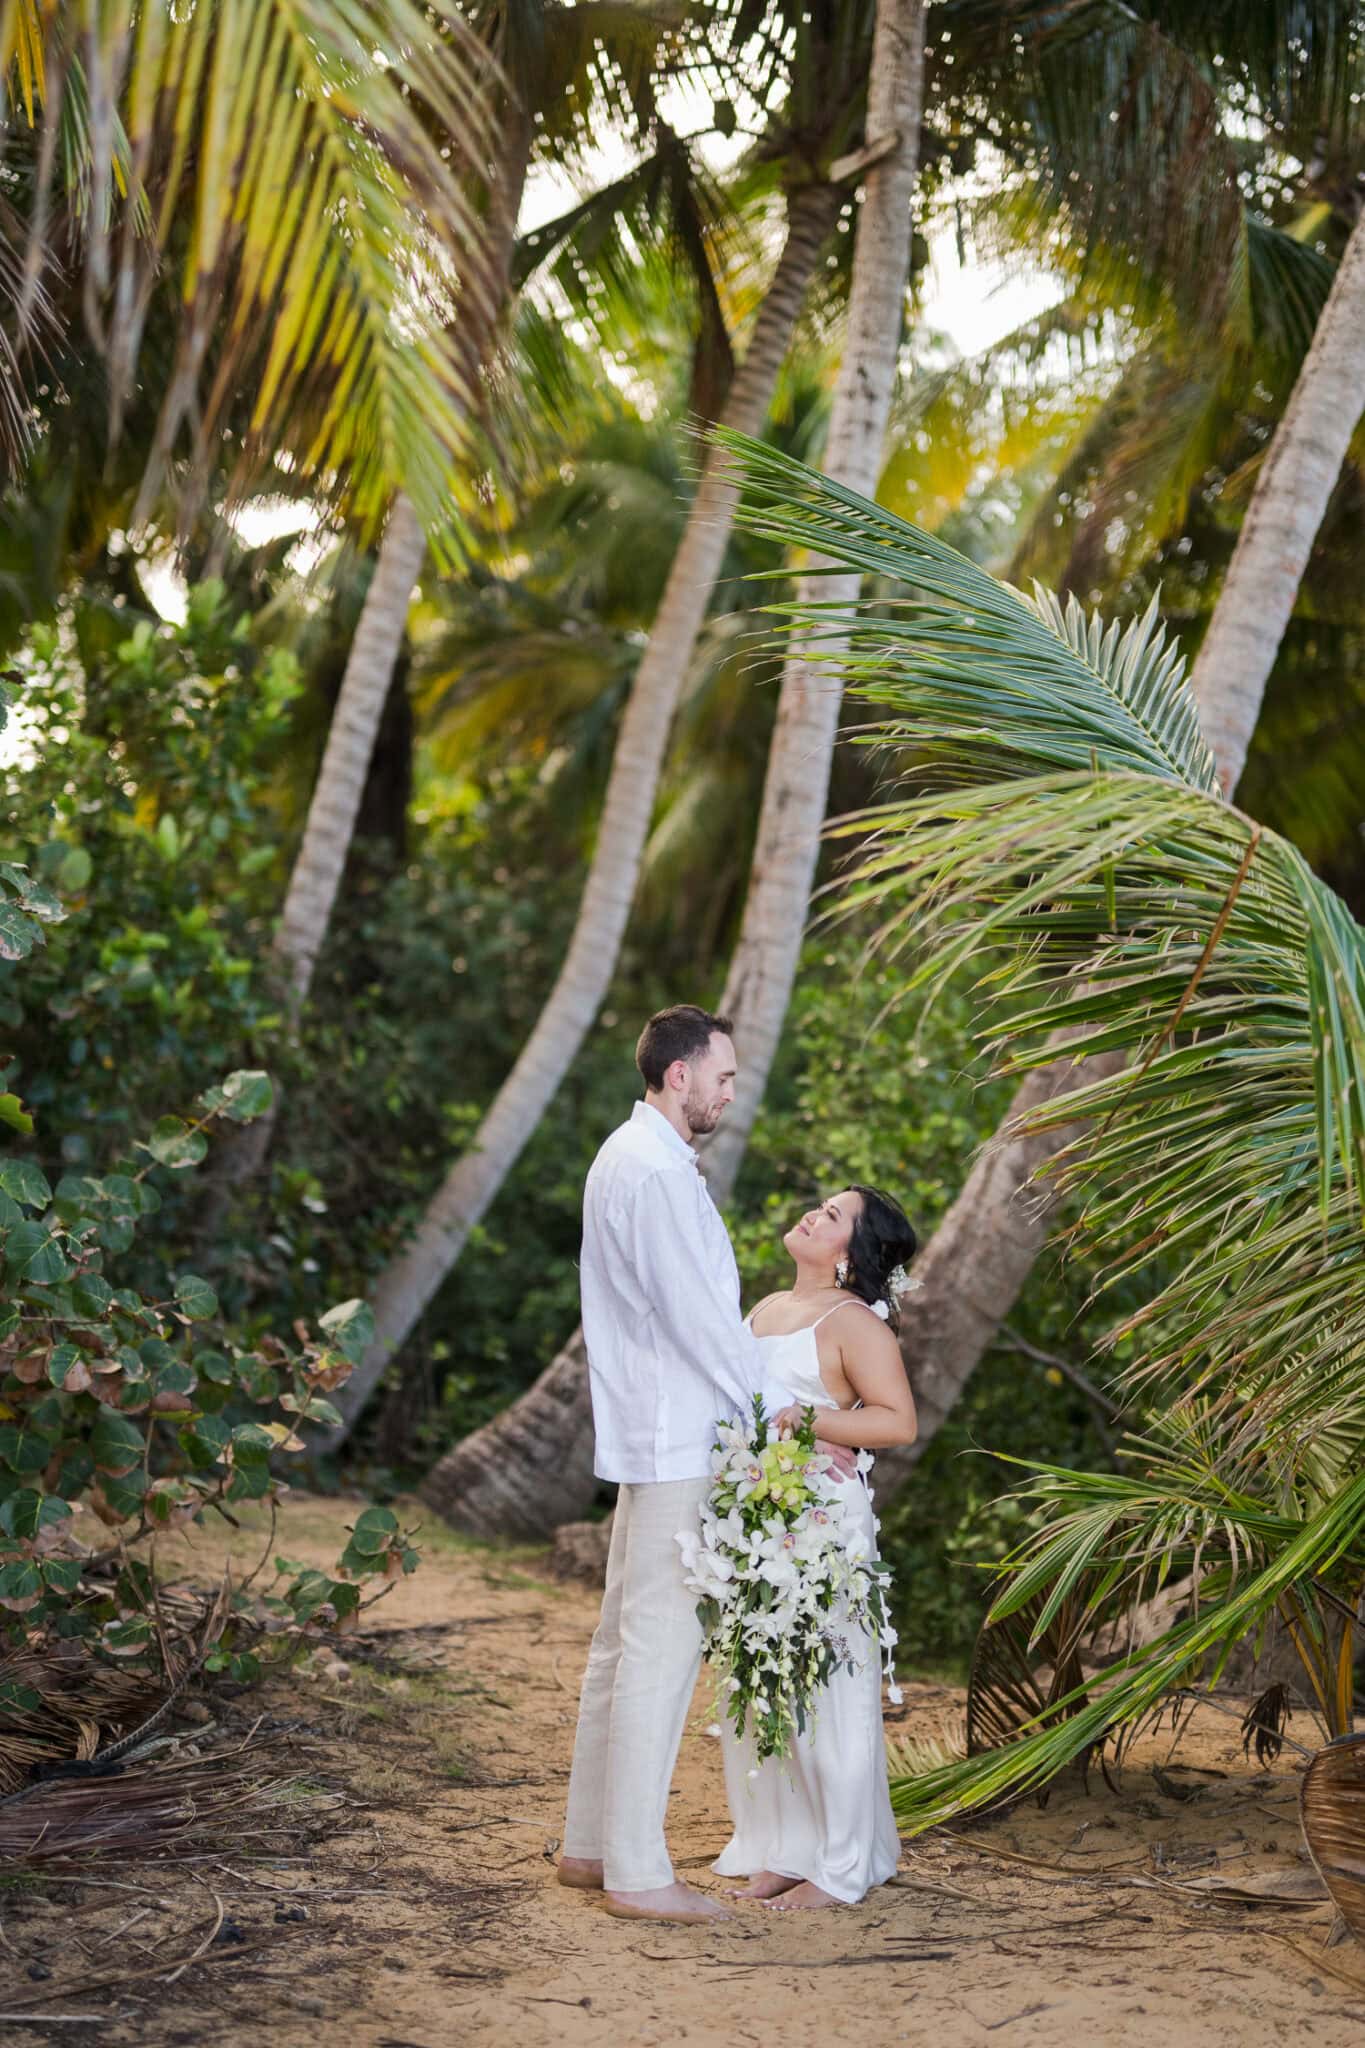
x=841 y=1273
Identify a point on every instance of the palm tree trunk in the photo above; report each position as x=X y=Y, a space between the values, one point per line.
x=1282 y=521
x=410 y=1281
x=971 y=1271
x=321 y=858
x=335 y=804
x=316 y=874
x=796 y=787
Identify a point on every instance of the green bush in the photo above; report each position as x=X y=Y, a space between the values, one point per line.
x=135 y=1403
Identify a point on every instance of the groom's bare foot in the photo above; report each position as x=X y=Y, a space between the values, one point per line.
x=582 y=1873
x=804 y=1898
x=764 y=1884
x=669 y=1902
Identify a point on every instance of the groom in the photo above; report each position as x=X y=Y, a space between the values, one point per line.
x=667 y=1355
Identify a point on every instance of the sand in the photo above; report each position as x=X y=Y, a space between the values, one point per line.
x=433 y=1915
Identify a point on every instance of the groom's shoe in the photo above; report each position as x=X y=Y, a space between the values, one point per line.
x=670 y=1902
x=580 y=1873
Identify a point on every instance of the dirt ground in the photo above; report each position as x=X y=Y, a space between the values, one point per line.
x=409 y=1901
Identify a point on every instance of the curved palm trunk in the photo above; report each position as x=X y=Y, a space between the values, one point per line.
x=320 y=862
x=511 y=1476
x=796 y=787
x=334 y=806
x=321 y=859
x=410 y=1281
x=1282 y=521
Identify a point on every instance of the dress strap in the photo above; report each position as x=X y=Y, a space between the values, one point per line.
x=758 y=1305
x=849 y=1301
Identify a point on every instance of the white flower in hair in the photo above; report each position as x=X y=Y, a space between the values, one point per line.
x=882 y=1309
x=898 y=1282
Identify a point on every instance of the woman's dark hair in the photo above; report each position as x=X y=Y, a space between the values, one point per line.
x=882 y=1240
x=682 y=1033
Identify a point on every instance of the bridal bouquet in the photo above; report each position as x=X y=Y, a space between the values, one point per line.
x=785 y=1579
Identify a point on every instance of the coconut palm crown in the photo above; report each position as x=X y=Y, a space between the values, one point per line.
x=1057 y=822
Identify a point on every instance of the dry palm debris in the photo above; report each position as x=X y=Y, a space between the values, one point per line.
x=161 y=1803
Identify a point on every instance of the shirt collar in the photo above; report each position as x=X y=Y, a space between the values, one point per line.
x=654 y=1120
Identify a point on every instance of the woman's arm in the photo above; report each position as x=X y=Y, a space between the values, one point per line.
x=871 y=1358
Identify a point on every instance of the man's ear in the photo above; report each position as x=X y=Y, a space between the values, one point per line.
x=676 y=1075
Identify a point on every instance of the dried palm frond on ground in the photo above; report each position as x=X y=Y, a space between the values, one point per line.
x=907 y=1754
x=144 y=1808
x=56 y=1701
x=62 y=1703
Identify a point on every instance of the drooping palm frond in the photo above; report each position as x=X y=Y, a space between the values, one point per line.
x=958 y=640
x=1176 y=416
x=1133 y=1687
x=1062 y=823
x=1128 y=123
x=1157 y=183
x=306 y=175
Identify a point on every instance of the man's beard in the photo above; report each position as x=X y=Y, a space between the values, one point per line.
x=702 y=1117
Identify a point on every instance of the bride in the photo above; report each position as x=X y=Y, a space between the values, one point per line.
x=816 y=1829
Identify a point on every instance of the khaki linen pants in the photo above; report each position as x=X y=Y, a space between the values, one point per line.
x=642 y=1668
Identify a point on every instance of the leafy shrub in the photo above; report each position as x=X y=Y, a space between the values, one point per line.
x=142 y=778
x=125 y=1402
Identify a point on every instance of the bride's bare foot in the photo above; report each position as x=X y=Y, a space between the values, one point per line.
x=804 y=1898
x=669 y=1902
x=764 y=1884
x=582 y=1873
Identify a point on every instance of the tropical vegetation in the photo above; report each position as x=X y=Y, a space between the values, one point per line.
x=398 y=713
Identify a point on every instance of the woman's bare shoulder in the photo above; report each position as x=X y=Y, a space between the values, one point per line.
x=866 y=1339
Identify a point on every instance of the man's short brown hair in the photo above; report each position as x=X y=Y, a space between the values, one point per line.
x=680 y=1033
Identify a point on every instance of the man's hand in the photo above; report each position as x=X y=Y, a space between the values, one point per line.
x=843 y=1460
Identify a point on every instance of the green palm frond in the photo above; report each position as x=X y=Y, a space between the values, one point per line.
x=957 y=642
x=307 y=173
x=1061 y=824
x=1129 y=1690
x=1281 y=281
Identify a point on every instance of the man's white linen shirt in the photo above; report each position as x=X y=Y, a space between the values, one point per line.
x=668 y=1353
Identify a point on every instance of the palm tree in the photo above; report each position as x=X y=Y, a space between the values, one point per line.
x=829 y=62
x=797 y=783
x=1075 y=830
x=1198 y=242
x=408 y=1283
x=557 y=76
x=1283 y=519
x=1115 y=125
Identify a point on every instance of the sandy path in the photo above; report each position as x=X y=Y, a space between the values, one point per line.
x=456 y=1780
